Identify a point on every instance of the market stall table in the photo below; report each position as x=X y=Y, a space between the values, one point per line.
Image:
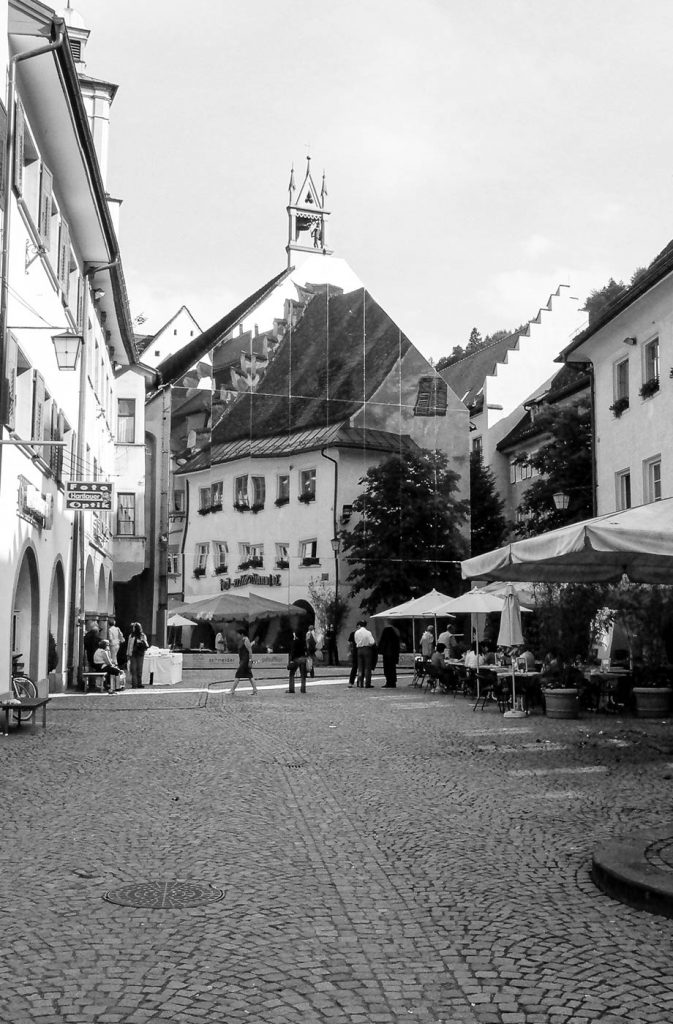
x=162 y=668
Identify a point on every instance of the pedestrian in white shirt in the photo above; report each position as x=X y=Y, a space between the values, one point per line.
x=364 y=645
x=116 y=638
x=428 y=642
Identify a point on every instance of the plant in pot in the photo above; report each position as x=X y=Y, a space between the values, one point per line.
x=646 y=612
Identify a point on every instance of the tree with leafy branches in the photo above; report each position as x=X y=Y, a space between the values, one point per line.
x=408 y=536
x=487 y=521
x=329 y=606
x=564 y=464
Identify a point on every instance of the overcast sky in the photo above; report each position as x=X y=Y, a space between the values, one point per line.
x=478 y=153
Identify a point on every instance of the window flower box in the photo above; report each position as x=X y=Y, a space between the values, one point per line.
x=257 y=508
x=200 y=570
x=243 y=566
x=281 y=501
x=241 y=506
x=307 y=496
x=217 y=507
x=221 y=569
x=310 y=561
x=282 y=563
x=256 y=563
x=649 y=387
x=619 y=406
x=205 y=510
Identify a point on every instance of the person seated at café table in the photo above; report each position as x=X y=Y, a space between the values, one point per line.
x=487 y=655
x=437 y=668
x=527 y=657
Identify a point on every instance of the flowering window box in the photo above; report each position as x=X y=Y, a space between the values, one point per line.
x=220 y=569
x=217 y=507
x=649 y=388
x=282 y=563
x=307 y=496
x=619 y=406
x=281 y=501
x=256 y=563
x=205 y=510
x=257 y=508
x=310 y=561
x=241 y=506
x=200 y=571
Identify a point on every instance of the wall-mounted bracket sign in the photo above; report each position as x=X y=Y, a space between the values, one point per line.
x=88 y=495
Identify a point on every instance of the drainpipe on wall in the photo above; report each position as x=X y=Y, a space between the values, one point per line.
x=334 y=520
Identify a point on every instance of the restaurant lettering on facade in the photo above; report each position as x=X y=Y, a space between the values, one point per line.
x=272 y=580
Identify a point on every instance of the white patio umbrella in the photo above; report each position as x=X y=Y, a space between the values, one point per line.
x=179 y=620
x=418 y=608
x=511 y=635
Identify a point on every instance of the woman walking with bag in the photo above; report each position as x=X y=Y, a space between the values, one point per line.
x=135 y=651
x=244 y=670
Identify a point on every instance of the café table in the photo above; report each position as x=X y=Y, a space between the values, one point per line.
x=608 y=688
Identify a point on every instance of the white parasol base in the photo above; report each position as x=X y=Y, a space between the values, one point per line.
x=515 y=713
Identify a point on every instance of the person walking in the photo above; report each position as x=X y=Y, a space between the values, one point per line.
x=331 y=645
x=116 y=638
x=244 y=670
x=311 y=648
x=298 y=660
x=135 y=652
x=365 y=644
x=389 y=649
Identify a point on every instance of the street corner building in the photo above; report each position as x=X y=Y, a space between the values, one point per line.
x=271 y=417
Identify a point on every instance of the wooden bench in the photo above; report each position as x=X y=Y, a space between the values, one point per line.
x=93 y=680
x=25 y=706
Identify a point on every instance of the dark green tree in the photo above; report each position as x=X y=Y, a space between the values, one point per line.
x=601 y=298
x=564 y=465
x=488 y=524
x=474 y=342
x=408 y=535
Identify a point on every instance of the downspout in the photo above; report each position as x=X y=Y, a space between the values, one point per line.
x=594 y=480
x=334 y=526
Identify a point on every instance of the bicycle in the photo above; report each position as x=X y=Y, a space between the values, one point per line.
x=23 y=687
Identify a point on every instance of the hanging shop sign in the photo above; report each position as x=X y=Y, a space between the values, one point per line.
x=88 y=494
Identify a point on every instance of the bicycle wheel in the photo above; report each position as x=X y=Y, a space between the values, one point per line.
x=24 y=689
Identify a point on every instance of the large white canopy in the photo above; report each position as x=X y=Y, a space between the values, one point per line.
x=637 y=541
x=418 y=607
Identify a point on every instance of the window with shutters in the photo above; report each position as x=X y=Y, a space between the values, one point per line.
x=45 y=207
x=3 y=144
x=432 y=397
x=64 y=260
x=27 y=168
x=38 y=406
x=126 y=515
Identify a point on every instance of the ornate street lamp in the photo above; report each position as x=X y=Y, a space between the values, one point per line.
x=561 y=500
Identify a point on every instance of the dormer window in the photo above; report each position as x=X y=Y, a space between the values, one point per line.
x=432 y=397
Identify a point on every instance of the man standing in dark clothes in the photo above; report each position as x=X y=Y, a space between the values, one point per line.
x=331 y=645
x=90 y=644
x=389 y=649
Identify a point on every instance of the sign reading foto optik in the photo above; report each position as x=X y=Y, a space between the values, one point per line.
x=88 y=494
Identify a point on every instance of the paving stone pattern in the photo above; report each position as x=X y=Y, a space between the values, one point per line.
x=385 y=856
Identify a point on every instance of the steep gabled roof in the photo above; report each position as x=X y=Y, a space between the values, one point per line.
x=175 y=366
x=325 y=369
x=568 y=381
x=466 y=377
x=660 y=267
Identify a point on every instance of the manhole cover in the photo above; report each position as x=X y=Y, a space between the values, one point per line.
x=165 y=895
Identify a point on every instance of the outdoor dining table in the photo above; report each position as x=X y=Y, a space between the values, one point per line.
x=605 y=687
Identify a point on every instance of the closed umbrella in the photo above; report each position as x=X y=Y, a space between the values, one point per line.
x=511 y=635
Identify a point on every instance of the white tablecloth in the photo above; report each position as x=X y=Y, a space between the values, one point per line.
x=162 y=669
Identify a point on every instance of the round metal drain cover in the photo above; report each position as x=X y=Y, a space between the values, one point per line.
x=165 y=895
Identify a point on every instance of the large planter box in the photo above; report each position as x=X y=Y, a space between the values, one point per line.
x=561 y=703
x=652 y=701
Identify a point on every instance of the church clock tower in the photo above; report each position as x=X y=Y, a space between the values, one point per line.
x=306 y=217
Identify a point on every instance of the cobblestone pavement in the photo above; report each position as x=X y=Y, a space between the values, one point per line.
x=385 y=856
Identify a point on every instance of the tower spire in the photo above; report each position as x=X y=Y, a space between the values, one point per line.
x=307 y=216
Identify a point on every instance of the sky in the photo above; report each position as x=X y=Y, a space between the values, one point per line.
x=477 y=153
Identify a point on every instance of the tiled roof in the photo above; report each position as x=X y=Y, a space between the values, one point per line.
x=660 y=267
x=323 y=372
x=569 y=380
x=175 y=366
x=466 y=377
x=339 y=435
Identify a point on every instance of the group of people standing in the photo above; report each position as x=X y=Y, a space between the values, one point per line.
x=112 y=654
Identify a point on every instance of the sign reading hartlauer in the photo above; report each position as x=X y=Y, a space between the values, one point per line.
x=88 y=494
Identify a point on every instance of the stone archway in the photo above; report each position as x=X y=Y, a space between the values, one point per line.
x=26 y=614
x=90 y=591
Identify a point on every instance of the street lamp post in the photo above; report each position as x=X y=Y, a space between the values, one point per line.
x=336 y=548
